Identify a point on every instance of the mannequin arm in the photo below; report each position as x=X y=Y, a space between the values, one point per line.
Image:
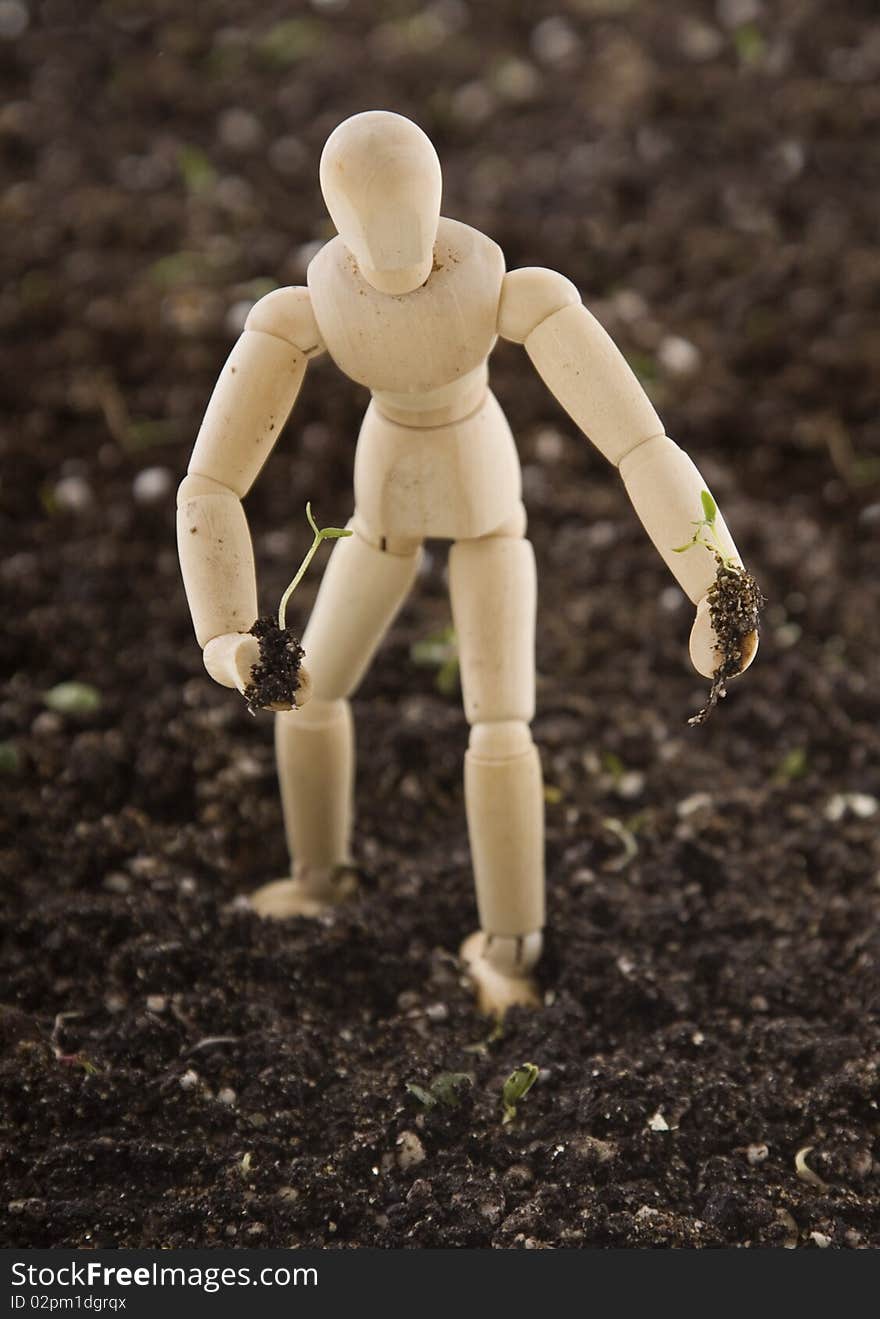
x=592 y=381
x=246 y=413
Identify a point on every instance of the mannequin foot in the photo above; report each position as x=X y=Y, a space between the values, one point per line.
x=311 y=891
x=499 y=968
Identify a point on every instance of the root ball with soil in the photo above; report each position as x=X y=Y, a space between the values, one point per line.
x=275 y=678
x=735 y=603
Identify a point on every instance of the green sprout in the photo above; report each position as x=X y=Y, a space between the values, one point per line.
x=439 y=651
x=321 y=534
x=73 y=698
x=706 y=533
x=196 y=169
x=445 y=1090
x=794 y=765
x=516 y=1087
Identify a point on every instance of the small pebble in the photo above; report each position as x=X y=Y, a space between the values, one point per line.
x=287 y=155
x=554 y=40
x=699 y=41
x=858 y=804
x=156 y=1002
x=756 y=1154
x=671 y=599
x=549 y=444
x=47 y=724
x=73 y=494
x=658 y=1122
x=473 y=103
x=516 y=80
x=677 y=356
x=226 y=1096
x=14 y=19
x=410 y=1150
x=117 y=882
x=152 y=485
x=437 y=1012
x=698 y=801
x=240 y=130
x=189 y=1080
x=733 y=13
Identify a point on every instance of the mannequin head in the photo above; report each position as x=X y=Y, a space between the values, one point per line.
x=381 y=181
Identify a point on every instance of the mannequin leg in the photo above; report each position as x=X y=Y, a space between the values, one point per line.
x=493 y=587
x=362 y=589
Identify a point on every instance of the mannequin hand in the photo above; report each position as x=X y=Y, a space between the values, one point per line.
x=229 y=659
x=705 y=655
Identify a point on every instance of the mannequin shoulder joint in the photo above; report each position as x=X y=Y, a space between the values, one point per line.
x=287 y=314
x=528 y=297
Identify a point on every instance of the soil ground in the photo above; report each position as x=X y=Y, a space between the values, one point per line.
x=175 y=1071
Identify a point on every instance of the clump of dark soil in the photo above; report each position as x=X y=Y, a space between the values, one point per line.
x=275 y=678
x=735 y=604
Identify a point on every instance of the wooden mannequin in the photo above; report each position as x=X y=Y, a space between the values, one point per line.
x=410 y=304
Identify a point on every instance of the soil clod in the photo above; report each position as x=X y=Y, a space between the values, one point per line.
x=275 y=679
x=735 y=602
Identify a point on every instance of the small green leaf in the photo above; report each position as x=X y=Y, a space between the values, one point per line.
x=445 y=1089
x=793 y=765
x=751 y=45
x=73 y=698
x=291 y=40
x=335 y=533
x=612 y=763
x=681 y=549
x=9 y=758
x=710 y=510
x=517 y=1085
x=434 y=650
x=421 y=1094
x=448 y=678
x=311 y=521
x=448 y=1086
x=195 y=167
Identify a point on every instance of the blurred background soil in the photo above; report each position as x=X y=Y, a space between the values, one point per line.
x=175 y=1072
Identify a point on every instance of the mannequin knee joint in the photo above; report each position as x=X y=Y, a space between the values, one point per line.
x=501 y=740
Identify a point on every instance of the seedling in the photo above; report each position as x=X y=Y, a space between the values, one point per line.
x=445 y=1090
x=73 y=698
x=439 y=651
x=735 y=602
x=516 y=1087
x=275 y=678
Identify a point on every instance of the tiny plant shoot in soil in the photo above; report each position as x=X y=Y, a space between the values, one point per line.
x=735 y=602
x=516 y=1087
x=275 y=678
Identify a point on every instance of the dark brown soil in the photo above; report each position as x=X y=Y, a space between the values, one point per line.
x=735 y=604
x=275 y=678
x=176 y=1072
